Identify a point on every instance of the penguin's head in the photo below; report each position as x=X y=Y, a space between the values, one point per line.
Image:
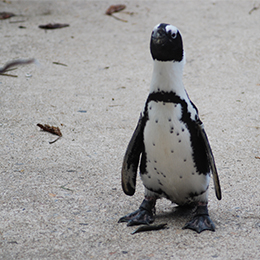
x=166 y=43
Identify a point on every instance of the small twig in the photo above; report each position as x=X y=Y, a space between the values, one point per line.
x=252 y=126
x=63 y=187
x=18 y=21
x=9 y=75
x=52 y=142
x=10 y=69
x=149 y=228
x=117 y=18
x=254 y=9
x=115 y=105
x=58 y=63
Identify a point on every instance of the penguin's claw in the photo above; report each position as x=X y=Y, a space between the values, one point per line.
x=200 y=223
x=139 y=217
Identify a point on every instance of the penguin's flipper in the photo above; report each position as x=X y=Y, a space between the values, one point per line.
x=131 y=159
x=211 y=160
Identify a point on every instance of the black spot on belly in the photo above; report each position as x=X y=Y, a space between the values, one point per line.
x=197 y=135
x=169 y=119
x=172 y=151
x=182 y=129
x=155 y=169
x=179 y=140
x=171 y=132
x=195 y=194
x=175 y=105
x=163 y=175
x=157 y=172
x=155 y=161
x=185 y=160
x=192 y=173
x=180 y=177
x=153 y=144
x=156 y=121
x=150 y=108
x=160 y=182
x=149 y=176
x=177 y=134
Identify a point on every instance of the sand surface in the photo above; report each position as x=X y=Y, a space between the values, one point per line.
x=63 y=200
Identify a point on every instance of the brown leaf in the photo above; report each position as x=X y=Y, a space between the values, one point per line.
x=6 y=15
x=51 y=26
x=14 y=63
x=51 y=129
x=115 y=8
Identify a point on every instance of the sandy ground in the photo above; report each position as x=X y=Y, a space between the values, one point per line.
x=63 y=200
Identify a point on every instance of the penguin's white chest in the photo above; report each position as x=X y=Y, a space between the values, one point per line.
x=170 y=168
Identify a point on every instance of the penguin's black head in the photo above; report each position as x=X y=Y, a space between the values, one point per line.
x=166 y=43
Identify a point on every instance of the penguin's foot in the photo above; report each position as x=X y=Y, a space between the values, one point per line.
x=144 y=215
x=201 y=220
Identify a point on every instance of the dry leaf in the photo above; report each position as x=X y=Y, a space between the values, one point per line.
x=51 y=129
x=52 y=26
x=115 y=8
x=6 y=15
x=15 y=63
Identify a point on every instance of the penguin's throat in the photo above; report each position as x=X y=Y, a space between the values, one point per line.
x=167 y=77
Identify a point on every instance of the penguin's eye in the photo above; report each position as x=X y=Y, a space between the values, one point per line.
x=173 y=35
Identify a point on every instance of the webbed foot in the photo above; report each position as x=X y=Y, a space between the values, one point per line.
x=144 y=215
x=201 y=220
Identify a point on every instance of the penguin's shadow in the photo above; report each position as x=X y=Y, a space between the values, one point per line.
x=177 y=213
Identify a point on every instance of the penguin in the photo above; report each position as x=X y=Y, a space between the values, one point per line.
x=169 y=144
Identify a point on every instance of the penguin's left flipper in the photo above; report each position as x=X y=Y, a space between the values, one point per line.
x=201 y=221
x=210 y=159
x=131 y=159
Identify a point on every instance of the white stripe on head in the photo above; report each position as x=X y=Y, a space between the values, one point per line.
x=171 y=28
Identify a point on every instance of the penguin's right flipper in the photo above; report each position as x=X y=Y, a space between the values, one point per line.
x=131 y=159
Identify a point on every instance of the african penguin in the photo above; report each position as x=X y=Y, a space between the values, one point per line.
x=176 y=158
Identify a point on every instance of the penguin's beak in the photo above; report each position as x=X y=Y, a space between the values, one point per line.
x=159 y=36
